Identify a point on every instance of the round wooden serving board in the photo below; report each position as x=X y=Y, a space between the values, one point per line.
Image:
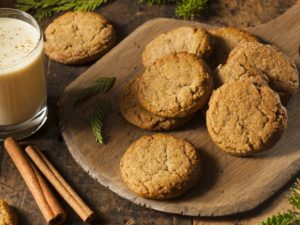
x=230 y=184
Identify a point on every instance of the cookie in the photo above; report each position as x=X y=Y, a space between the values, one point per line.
x=7 y=215
x=175 y=86
x=280 y=70
x=243 y=119
x=226 y=38
x=182 y=39
x=228 y=72
x=135 y=114
x=78 y=37
x=160 y=166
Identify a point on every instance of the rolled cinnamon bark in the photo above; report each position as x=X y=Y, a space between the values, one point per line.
x=59 y=183
x=46 y=201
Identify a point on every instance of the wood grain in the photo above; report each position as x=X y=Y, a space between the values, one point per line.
x=231 y=184
x=278 y=203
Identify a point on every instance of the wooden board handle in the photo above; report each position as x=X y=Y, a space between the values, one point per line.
x=284 y=31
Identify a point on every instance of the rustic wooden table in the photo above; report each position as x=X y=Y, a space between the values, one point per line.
x=126 y=15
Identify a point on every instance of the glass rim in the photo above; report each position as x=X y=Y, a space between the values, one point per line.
x=35 y=24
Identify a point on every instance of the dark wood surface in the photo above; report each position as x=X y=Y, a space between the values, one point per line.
x=126 y=15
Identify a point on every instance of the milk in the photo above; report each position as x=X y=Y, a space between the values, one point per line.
x=22 y=73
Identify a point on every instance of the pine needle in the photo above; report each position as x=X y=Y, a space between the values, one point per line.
x=101 y=109
x=286 y=218
x=100 y=112
x=294 y=197
x=100 y=85
x=46 y=8
x=289 y=217
x=191 y=8
x=89 y=5
x=185 y=8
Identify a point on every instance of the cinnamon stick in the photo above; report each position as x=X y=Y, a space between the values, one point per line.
x=59 y=183
x=46 y=201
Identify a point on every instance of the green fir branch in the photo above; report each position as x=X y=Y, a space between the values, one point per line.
x=294 y=197
x=286 y=218
x=289 y=217
x=185 y=8
x=191 y=8
x=46 y=8
x=43 y=13
x=100 y=112
x=100 y=85
x=89 y=5
x=101 y=109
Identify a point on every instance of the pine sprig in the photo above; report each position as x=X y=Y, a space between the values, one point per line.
x=45 y=8
x=286 y=218
x=294 y=197
x=185 y=8
x=102 y=108
x=100 y=85
x=289 y=217
x=191 y=8
x=100 y=112
x=89 y=5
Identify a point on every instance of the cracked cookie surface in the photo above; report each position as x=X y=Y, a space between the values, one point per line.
x=135 y=114
x=175 y=86
x=281 y=71
x=226 y=38
x=228 y=72
x=160 y=166
x=78 y=37
x=182 y=39
x=243 y=119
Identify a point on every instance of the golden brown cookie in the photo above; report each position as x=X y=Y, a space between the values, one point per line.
x=160 y=166
x=175 y=86
x=228 y=72
x=135 y=114
x=280 y=70
x=226 y=38
x=182 y=39
x=7 y=216
x=243 y=119
x=78 y=37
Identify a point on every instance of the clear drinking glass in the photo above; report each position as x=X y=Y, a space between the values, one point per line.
x=23 y=93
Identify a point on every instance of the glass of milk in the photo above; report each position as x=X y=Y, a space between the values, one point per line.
x=23 y=92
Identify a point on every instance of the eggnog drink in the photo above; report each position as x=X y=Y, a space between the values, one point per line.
x=22 y=75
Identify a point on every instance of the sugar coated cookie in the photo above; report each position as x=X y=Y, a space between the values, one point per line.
x=160 y=166
x=78 y=37
x=182 y=39
x=226 y=38
x=175 y=86
x=280 y=70
x=135 y=114
x=243 y=119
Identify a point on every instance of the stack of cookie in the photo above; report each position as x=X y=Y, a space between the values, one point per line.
x=176 y=83
x=245 y=113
